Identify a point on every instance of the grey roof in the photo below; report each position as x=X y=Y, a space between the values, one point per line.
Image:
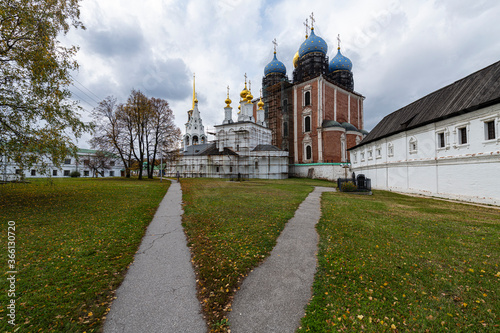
x=207 y=149
x=266 y=148
x=471 y=93
x=197 y=149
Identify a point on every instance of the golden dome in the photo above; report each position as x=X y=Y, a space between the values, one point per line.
x=244 y=92
x=249 y=97
x=295 y=60
x=260 y=104
x=228 y=102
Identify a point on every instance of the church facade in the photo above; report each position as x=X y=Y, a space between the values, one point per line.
x=317 y=115
x=241 y=149
x=299 y=127
x=446 y=144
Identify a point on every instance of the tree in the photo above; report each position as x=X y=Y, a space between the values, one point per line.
x=100 y=162
x=162 y=134
x=36 y=116
x=137 y=131
x=111 y=132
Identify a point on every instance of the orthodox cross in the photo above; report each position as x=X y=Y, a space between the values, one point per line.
x=306 y=23
x=249 y=85
x=227 y=91
x=338 y=39
x=312 y=20
x=245 y=78
x=275 y=44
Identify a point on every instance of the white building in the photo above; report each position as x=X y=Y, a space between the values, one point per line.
x=446 y=144
x=241 y=149
x=83 y=164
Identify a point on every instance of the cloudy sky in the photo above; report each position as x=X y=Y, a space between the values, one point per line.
x=401 y=50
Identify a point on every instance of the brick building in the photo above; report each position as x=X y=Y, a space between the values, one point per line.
x=317 y=115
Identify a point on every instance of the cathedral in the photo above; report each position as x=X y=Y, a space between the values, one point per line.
x=299 y=127
x=317 y=115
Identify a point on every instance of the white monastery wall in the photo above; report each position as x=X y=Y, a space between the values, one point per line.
x=416 y=161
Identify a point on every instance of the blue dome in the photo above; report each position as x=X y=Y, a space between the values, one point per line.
x=313 y=44
x=275 y=66
x=339 y=62
x=349 y=127
x=330 y=123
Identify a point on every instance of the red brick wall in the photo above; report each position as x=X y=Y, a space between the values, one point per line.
x=331 y=146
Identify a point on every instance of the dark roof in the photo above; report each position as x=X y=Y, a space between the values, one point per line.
x=266 y=148
x=206 y=149
x=197 y=149
x=471 y=93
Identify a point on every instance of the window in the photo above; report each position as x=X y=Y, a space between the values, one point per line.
x=33 y=172
x=370 y=154
x=111 y=163
x=307 y=124
x=237 y=147
x=111 y=173
x=390 y=149
x=308 y=152
x=285 y=105
x=462 y=135
x=66 y=173
x=86 y=173
x=230 y=169
x=354 y=158
x=307 y=98
x=86 y=162
x=362 y=157
x=217 y=169
x=67 y=161
x=489 y=130
x=18 y=171
x=285 y=129
x=378 y=152
x=256 y=165
x=441 y=140
x=413 y=146
x=54 y=172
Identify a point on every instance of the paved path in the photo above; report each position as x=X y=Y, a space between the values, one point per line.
x=159 y=290
x=272 y=298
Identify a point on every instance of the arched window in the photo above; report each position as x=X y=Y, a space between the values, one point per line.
x=413 y=145
x=308 y=152
x=307 y=124
x=285 y=129
x=307 y=98
x=195 y=140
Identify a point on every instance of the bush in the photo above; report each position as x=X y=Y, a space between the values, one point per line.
x=348 y=187
x=75 y=174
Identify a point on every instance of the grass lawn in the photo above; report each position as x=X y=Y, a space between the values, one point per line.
x=74 y=240
x=396 y=263
x=233 y=226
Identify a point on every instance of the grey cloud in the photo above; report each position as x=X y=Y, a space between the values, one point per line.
x=120 y=40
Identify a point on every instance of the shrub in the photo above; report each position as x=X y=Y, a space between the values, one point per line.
x=348 y=187
x=75 y=174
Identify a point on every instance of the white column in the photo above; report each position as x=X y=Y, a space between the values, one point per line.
x=295 y=137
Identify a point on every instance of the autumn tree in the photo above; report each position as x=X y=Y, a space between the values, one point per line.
x=36 y=116
x=112 y=131
x=162 y=134
x=99 y=162
x=137 y=131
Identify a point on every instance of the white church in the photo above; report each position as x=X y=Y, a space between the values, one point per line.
x=446 y=144
x=241 y=149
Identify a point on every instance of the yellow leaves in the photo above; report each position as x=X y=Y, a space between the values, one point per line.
x=497 y=274
x=360 y=317
x=471 y=270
